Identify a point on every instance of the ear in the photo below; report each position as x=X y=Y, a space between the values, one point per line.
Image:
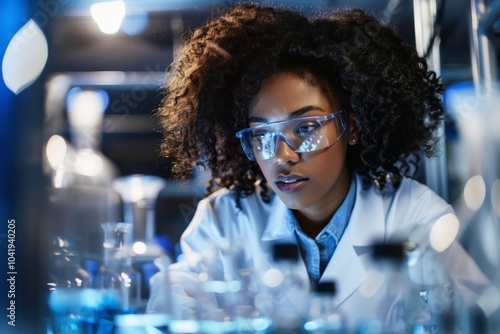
x=353 y=129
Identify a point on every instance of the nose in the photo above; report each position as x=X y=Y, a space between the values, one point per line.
x=284 y=153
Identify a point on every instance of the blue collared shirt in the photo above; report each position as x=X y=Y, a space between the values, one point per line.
x=318 y=252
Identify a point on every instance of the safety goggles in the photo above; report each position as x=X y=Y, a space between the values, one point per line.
x=306 y=134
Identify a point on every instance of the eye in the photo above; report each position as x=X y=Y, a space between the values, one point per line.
x=262 y=134
x=306 y=128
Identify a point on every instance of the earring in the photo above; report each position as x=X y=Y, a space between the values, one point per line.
x=353 y=140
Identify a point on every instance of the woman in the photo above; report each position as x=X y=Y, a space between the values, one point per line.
x=312 y=130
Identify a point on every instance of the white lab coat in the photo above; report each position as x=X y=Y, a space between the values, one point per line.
x=411 y=212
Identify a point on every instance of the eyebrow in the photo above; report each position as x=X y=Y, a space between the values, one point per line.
x=295 y=114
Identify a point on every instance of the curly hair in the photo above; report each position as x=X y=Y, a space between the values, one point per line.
x=383 y=81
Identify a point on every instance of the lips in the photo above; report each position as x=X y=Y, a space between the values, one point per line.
x=290 y=183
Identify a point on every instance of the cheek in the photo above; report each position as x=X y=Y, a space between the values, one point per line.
x=325 y=168
x=265 y=167
x=332 y=157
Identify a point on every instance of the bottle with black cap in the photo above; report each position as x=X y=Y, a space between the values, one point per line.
x=284 y=291
x=388 y=260
x=323 y=316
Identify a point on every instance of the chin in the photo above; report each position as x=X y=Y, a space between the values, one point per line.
x=293 y=204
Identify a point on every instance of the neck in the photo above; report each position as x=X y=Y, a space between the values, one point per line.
x=311 y=227
x=314 y=219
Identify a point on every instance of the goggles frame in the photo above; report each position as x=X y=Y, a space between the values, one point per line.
x=249 y=136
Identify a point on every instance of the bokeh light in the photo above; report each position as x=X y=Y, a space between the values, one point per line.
x=108 y=15
x=273 y=278
x=55 y=150
x=443 y=232
x=86 y=107
x=475 y=192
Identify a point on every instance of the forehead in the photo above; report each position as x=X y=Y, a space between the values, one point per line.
x=287 y=91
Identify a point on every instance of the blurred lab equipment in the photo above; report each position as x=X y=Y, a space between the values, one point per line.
x=80 y=193
x=283 y=294
x=68 y=281
x=139 y=194
x=323 y=316
x=477 y=113
x=117 y=273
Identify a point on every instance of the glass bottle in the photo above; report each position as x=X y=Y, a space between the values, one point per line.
x=117 y=274
x=67 y=271
x=388 y=317
x=68 y=286
x=94 y=201
x=284 y=292
x=81 y=197
x=239 y=297
x=323 y=316
x=429 y=298
x=217 y=296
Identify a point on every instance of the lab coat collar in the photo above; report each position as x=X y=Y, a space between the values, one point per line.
x=368 y=221
x=367 y=224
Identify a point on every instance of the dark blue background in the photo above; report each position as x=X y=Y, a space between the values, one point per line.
x=21 y=118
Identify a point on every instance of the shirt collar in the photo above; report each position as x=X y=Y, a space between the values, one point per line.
x=340 y=219
x=335 y=228
x=282 y=224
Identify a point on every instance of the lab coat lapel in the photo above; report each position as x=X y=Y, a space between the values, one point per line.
x=367 y=224
x=346 y=269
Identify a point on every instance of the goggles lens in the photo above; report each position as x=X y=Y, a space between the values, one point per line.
x=305 y=134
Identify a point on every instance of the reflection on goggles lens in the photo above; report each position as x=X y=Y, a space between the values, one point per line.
x=305 y=134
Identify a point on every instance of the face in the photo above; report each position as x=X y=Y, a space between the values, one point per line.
x=312 y=183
